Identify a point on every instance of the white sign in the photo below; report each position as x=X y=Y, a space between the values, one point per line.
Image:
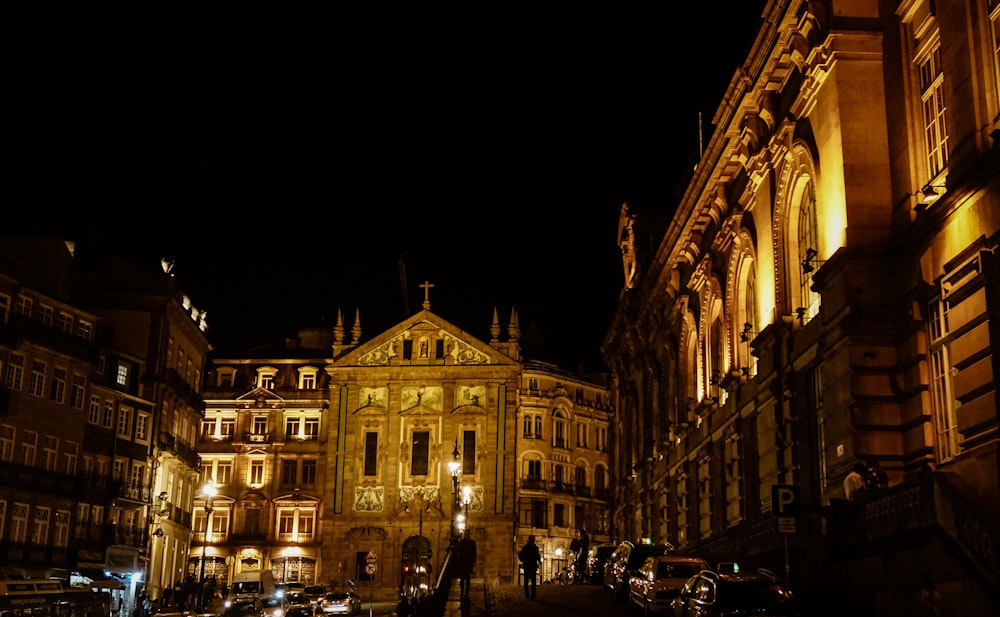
x=371 y=557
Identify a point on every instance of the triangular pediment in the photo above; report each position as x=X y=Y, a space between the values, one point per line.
x=261 y=398
x=422 y=331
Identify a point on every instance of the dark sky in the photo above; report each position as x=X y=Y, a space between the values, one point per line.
x=287 y=179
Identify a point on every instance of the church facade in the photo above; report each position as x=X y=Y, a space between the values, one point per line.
x=333 y=459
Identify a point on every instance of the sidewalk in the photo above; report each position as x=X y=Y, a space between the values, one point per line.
x=495 y=599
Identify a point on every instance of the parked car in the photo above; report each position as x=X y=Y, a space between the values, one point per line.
x=297 y=598
x=624 y=562
x=659 y=580
x=341 y=602
x=315 y=593
x=306 y=610
x=713 y=594
x=274 y=606
x=250 y=607
x=597 y=556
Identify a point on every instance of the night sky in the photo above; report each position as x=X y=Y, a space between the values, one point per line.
x=287 y=179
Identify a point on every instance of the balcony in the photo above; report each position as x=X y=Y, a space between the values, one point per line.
x=216 y=537
x=532 y=483
x=134 y=491
x=177 y=383
x=563 y=487
x=41 y=480
x=294 y=538
x=259 y=438
x=107 y=534
x=167 y=442
x=37 y=555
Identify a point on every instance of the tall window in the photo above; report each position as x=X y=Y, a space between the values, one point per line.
x=371 y=453
x=256 y=477
x=50 y=452
x=94 y=412
x=6 y=443
x=70 y=450
x=559 y=439
x=468 y=453
x=36 y=381
x=533 y=470
x=531 y=512
x=310 y=428
x=995 y=26
x=124 y=421
x=309 y=467
x=45 y=314
x=28 y=445
x=4 y=307
x=121 y=375
x=77 y=391
x=419 y=458
x=942 y=389
x=23 y=306
x=142 y=427
x=292 y=427
x=289 y=472
x=65 y=322
x=109 y=413
x=18 y=523
x=933 y=104
x=808 y=244
x=61 y=536
x=57 y=390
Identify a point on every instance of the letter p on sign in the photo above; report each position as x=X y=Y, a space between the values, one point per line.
x=785 y=500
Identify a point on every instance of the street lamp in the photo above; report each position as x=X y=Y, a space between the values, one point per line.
x=454 y=467
x=464 y=516
x=209 y=492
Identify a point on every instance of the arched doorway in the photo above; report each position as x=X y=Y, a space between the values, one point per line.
x=415 y=576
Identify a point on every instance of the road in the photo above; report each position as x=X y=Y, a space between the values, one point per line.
x=554 y=601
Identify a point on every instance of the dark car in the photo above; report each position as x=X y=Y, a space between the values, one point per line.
x=660 y=579
x=315 y=593
x=713 y=594
x=244 y=608
x=597 y=557
x=304 y=610
x=625 y=562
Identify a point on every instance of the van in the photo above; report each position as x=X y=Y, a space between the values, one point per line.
x=251 y=585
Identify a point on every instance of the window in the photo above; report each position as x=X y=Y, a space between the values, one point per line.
x=307 y=378
x=223 y=472
x=533 y=470
x=943 y=403
x=77 y=390
x=118 y=471
x=28 y=446
x=227 y=428
x=61 y=537
x=45 y=314
x=23 y=306
x=70 y=449
x=138 y=475
x=226 y=377
x=533 y=383
x=559 y=515
x=309 y=473
x=291 y=428
x=600 y=477
x=581 y=476
x=85 y=330
x=36 y=381
x=121 y=375
x=50 y=452
x=808 y=243
x=421 y=441
x=14 y=375
x=468 y=453
x=371 y=453
x=94 y=413
x=57 y=390
x=933 y=105
x=6 y=443
x=4 y=307
x=531 y=513
x=995 y=25
x=306 y=525
x=581 y=435
x=265 y=378
x=286 y=524
x=142 y=427
x=256 y=477
x=220 y=525
x=18 y=523
x=65 y=322
x=109 y=413
x=311 y=428
x=559 y=430
x=289 y=472
x=124 y=421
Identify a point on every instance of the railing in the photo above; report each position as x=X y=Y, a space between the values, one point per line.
x=267 y=437
x=41 y=480
x=104 y=535
x=134 y=491
x=214 y=537
x=174 y=380
x=166 y=441
x=533 y=483
x=562 y=487
x=294 y=537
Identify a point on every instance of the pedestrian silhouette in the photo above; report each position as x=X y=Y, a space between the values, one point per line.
x=465 y=561
x=530 y=557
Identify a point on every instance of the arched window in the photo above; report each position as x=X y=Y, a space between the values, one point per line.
x=559 y=430
x=808 y=249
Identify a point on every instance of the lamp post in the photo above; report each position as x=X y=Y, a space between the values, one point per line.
x=209 y=492
x=454 y=467
x=464 y=516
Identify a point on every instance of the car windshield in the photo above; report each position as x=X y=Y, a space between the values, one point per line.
x=665 y=569
x=299 y=611
x=298 y=598
x=752 y=594
x=315 y=591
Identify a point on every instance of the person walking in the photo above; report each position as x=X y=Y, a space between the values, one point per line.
x=530 y=557
x=465 y=561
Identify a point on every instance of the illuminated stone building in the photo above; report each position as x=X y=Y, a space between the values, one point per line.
x=826 y=294
x=158 y=345
x=331 y=450
x=101 y=363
